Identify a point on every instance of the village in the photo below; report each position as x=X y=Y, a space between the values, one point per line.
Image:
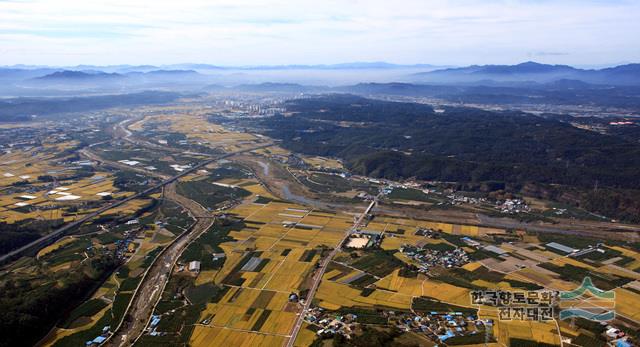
x=438 y=326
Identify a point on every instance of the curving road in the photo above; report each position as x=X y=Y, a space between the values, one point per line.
x=41 y=242
x=152 y=285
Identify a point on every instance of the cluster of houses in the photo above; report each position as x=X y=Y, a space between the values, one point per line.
x=294 y=161
x=441 y=326
x=559 y=211
x=330 y=324
x=98 y=340
x=18 y=138
x=513 y=206
x=365 y=196
x=429 y=233
x=153 y=326
x=124 y=247
x=458 y=199
x=251 y=106
x=617 y=337
x=429 y=258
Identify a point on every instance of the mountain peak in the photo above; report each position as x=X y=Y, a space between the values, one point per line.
x=531 y=71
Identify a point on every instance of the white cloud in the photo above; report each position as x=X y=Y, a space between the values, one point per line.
x=280 y=32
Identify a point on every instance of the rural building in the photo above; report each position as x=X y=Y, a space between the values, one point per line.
x=194 y=266
x=494 y=249
x=561 y=247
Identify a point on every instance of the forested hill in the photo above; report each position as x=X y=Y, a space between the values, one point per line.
x=400 y=140
x=406 y=139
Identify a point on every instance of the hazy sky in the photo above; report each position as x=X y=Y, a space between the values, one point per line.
x=239 y=32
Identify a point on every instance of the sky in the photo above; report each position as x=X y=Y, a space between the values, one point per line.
x=275 y=32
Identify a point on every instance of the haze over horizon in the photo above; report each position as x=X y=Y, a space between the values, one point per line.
x=590 y=33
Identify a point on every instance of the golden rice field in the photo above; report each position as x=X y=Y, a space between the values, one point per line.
x=447 y=293
x=108 y=289
x=333 y=295
x=628 y=303
x=305 y=336
x=32 y=163
x=47 y=203
x=619 y=271
x=561 y=261
x=322 y=162
x=219 y=336
x=397 y=283
x=195 y=126
x=53 y=247
x=274 y=150
x=241 y=308
x=257 y=310
x=268 y=230
x=503 y=330
x=59 y=333
x=389 y=223
x=395 y=241
x=629 y=253
x=270 y=221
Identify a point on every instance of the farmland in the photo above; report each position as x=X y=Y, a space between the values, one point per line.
x=524 y=265
x=140 y=243
x=267 y=221
x=269 y=251
x=48 y=185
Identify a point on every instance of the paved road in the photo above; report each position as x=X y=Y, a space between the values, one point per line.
x=156 y=277
x=152 y=285
x=317 y=277
x=577 y=228
x=61 y=231
x=41 y=242
x=95 y=157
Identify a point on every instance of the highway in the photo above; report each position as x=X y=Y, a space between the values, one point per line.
x=149 y=291
x=317 y=277
x=92 y=156
x=52 y=236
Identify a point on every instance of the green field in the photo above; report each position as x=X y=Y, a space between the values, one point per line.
x=202 y=248
x=210 y=195
x=410 y=194
x=87 y=309
x=379 y=263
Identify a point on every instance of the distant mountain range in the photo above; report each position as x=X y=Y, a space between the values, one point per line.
x=419 y=80
x=89 y=74
x=29 y=80
x=531 y=72
x=78 y=75
x=98 y=80
x=190 y=66
x=343 y=66
x=476 y=74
